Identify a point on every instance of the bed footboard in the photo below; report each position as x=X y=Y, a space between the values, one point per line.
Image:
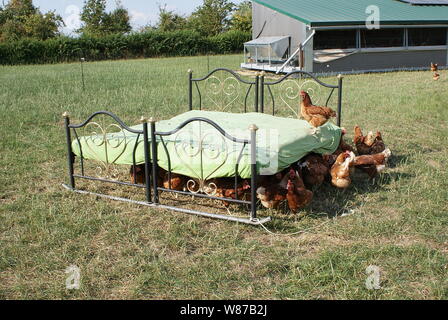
x=198 y=184
x=212 y=152
x=104 y=138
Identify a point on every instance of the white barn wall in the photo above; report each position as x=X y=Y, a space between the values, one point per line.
x=277 y=24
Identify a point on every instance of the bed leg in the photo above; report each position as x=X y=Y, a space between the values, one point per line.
x=190 y=89
x=253 y=181
x=69 y=149
x=339 y=120
x=147 y=167
x=155 y=176
x=257 y=90
x=261 y=92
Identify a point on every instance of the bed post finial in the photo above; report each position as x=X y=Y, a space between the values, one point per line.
x=152 y=120
x=143 y=119
x=340 y=76
x=66 y=114
x=253 y=127
x=190 y=71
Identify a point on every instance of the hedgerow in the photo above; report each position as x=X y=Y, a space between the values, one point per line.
x=137 y=45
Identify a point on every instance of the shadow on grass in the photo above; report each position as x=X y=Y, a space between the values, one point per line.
x=397 y=160
x=330 y=202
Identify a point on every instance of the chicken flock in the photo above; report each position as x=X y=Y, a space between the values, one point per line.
x=293 y=186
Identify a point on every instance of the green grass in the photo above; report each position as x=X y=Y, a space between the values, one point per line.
x=399 y=222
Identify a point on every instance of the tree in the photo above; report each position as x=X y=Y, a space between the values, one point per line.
x=242 y=17
x=98 y=22
x=169 y=20
x=43 y=26
x=2 y=16
x=212 y=18
x=21 y=7
x=118 y=21
x=92 y=15
x=21 y=19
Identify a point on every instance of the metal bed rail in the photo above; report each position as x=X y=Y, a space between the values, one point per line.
x=151 y=139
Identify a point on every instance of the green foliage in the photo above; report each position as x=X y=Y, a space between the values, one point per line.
x=20 y=19
x=118 y=21
x=2 y=16
x=106 y=35
x=170 y=21
x=92 y=15
x=116 y=46
x=229 y=42
x=21 y=7
x=43 y=26
x=97 y=22
x=212 y=18
x=242 y=17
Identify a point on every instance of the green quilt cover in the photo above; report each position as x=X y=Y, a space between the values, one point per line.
x=200 y=151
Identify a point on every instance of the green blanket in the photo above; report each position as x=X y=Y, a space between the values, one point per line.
x=200 y=151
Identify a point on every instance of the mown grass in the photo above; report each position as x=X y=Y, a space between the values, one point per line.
x=398 y=223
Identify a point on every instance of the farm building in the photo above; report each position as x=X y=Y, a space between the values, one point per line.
x=324 y=36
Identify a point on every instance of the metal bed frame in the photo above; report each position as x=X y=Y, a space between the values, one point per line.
x=289 y=84
x=147 y=135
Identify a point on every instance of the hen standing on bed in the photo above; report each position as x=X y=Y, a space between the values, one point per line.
x=316 y=116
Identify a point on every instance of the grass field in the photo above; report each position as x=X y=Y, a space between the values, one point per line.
x=398 y=223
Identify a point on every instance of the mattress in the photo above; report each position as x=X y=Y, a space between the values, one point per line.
x=200 y=151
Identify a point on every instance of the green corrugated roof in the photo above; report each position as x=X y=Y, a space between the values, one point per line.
x=352 y=12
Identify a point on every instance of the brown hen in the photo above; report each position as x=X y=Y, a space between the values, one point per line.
x=370 y=144
x=434 y=67
x=314 y=169
x=297 y=195
x=137 y=174
x=316 y=116
x=330 y=159
x=225 y=188
x=372 y=164
x=340 y=171
x=272 y=190
x=174 y=181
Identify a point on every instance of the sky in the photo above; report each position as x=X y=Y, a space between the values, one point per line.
x=142 y=12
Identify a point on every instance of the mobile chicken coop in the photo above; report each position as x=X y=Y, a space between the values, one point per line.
x=333 y=36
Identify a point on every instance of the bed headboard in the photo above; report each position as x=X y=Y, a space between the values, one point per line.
x=282 y=96
x=224 y=90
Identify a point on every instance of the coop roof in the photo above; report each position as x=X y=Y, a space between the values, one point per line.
x=353 y=12
x=265 y=41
